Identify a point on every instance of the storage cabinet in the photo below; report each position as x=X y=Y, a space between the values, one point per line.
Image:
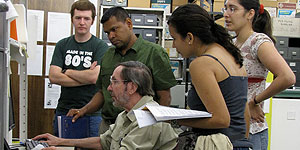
x=289 y=49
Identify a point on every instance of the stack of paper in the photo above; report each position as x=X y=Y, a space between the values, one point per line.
x=151 y=114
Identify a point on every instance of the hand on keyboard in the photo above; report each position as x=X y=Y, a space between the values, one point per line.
x=35 y=145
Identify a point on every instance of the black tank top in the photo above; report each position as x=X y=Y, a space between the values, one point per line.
x=234 y=90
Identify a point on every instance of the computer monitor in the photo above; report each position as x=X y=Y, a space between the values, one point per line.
x=6 y=146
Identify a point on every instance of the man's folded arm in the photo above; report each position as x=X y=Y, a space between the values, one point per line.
x=57 y=77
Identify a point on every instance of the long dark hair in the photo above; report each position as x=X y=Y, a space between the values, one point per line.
x=192 y=18
x=261 y=21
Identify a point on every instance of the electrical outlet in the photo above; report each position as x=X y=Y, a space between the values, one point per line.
x=291 y=115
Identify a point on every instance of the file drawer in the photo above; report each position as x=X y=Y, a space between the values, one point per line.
x=137 y=19
x=282 y=42
x=150 y=20
x=138 y=32
x=149 y=34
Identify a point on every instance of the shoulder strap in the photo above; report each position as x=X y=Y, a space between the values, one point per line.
x=217 y=61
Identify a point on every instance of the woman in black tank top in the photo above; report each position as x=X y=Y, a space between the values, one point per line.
x=218 y=77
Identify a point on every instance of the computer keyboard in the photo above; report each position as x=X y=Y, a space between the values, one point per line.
x=32 y=144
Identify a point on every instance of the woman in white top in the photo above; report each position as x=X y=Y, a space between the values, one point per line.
x=252 y=25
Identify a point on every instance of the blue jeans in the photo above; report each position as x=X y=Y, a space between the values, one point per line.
x=259 y=140
x=94 y=124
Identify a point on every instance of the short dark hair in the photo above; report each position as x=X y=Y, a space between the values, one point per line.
x=120 y=13
x=83 y=5
x=140 y=74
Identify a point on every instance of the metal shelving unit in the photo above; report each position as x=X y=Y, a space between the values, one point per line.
x=10 y=49
x=3 y=73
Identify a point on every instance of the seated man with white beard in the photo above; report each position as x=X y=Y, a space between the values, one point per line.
x=130 y=88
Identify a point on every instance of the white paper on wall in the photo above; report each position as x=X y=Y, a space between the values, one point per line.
x=49 y=53
x=39 y=16
x=286 y=27
x=52 y=93
x=59 y=26
x=35 y=60
x=35 y=52
x=272 y=11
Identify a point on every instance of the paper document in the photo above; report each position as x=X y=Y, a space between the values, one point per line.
x=59 y=125
x=151 y=114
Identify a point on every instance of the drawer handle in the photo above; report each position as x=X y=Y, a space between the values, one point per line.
x=150 y=20
x=292 y=64
x=281 y=42
x=138 y=20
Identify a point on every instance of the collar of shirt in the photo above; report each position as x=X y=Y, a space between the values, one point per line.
x=136 y=46
x=144 y=100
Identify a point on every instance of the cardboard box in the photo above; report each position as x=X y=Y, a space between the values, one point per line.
x=279 y=0
x=164 y=4
x=218 y=5
x=176 y=3
x=292 y=1
x=269 y=3
x=161 y=1
x=179 y=2
x=139 y=3
x=166 y=7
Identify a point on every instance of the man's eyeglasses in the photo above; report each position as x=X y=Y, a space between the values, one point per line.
x=114 y=81
x=229 y=10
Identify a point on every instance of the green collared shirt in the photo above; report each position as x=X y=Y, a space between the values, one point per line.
x=150 y=54
x=126 y=135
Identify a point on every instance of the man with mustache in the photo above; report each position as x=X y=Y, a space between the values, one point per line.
x=131 y=88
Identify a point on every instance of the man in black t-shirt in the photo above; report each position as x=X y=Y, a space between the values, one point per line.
x=75 y=65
